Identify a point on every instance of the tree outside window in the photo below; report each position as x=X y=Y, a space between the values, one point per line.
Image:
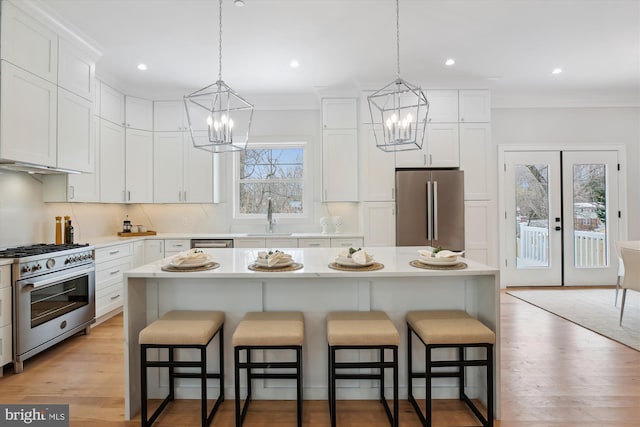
x=273 y=171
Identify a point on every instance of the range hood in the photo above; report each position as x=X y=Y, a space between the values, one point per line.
x=32 y=168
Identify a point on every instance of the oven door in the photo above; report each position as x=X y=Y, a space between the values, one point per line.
x=51 y=307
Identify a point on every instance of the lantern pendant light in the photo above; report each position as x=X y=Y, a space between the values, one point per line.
x=402 y=109
x=215 y=112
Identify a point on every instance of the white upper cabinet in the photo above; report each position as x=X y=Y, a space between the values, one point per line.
x=28 y=121
x=379 y=223
x=475 y=106
x=139 y=166
x=378 y=169
x=76 y=135
x=111 y=104
x=440 y=149
x=76 y=70
x=443 y=106
x=138 y=113
x=112 y=162
x=339 y=113
x=27 y=43
x=169 y=116
x=476 y=160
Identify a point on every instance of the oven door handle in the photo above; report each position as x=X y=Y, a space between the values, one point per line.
x=58 y=279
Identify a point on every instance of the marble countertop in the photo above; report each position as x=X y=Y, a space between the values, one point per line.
x=234 y=264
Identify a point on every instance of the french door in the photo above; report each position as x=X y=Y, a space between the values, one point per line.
x=561 y=217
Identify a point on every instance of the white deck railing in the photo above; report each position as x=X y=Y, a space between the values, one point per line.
x=533 y=247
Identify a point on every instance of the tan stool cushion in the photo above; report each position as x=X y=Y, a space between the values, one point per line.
x=361 y=328
x=449 y=327
x=270 y=328
x=181 y=327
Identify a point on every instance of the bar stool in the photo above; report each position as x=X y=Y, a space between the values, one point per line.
x=362 y=330
x=182 y=329
x=450 y=329
x=277 y=330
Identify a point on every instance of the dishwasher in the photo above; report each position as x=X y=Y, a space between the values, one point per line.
x=211 y=243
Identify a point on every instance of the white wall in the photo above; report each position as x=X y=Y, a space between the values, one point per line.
x=600 y=126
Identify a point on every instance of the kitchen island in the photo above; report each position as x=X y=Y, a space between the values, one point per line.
x=315 y=290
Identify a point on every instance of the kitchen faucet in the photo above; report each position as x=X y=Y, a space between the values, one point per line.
x=270 y=220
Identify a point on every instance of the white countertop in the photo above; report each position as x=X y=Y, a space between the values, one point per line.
x=234 y=264
x=5 y=261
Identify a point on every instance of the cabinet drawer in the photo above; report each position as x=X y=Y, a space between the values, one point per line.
x=5 y=345
x=109 y=302
x=5 y=276
x=177 y=245
x=249 y=243
x=314 y=243
x=347 y=243
x=110 y=270
x=109 y=287
x=5 y=306
x=113 y=252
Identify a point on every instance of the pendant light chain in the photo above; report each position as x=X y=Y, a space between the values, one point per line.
x=220 y=40
x=398 y=36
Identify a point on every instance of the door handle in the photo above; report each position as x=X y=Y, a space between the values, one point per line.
x=435 y=210
x=429 y=210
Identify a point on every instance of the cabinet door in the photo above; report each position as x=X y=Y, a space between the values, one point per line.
x=76 y=70
x=339 y=113
x=475 y=160
x=443 y=149
x=85 y=187
x=249 y=243
x=111 y=104
x=138 y=113
x=138 y=253
x=413 y=158
x=347 y=243
x=339 y=165
x=76 y=135
x=112 y=158
x=198 y=173
x=443 y=106
x=139 y=166
x=475 y=106
x=167 y=167
x=279 y=243
x=174 y=246
x=153 y=250
x=28 y=108
x=479 y=224
x=314 y=243
x=27 y=43
x=378 y=169
x=379 y=224
x=168 y=116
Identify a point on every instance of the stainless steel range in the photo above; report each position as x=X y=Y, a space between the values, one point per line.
x=53 y=295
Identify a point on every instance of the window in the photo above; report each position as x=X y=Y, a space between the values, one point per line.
x=276 y=171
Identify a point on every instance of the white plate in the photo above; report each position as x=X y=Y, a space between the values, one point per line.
x=263 y=263
x=348 y=262
x=438 y=261
x=191 y=264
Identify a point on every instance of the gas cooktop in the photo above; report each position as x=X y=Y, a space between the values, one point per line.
x=38 y=249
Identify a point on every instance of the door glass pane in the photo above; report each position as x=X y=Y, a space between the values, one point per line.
x=590 y=216
x=532 y=215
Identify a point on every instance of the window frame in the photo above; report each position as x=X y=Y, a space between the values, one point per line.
x=306 y=180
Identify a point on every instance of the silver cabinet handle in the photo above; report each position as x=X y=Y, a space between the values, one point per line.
x=424 y=160
x=185 y=195
x=114 y=252
x=178 y=245
x=430 y=159
x=313 y=244
x=72 y=191
x=179 y=196
x=115 y=297
x=129 y=196
x=393 y=194
x=114 y=272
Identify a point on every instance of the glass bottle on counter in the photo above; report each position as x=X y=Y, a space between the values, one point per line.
x=68 y=231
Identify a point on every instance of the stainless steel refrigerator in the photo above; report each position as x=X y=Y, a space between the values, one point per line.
x=430 y=208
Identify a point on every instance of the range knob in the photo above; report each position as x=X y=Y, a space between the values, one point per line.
x=26 y=269
x=37 y=267
x=68 y=260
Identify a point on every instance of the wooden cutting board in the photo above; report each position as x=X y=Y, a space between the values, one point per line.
x=136 y=234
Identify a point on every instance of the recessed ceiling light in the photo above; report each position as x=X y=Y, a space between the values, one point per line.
x=238 y=3
x=494 y=78
x=449 y=62
x=556 y=71
x=294 y=63
x=142 y=67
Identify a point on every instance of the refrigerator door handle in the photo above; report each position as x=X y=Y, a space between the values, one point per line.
x=429 y=210
x=434 y=212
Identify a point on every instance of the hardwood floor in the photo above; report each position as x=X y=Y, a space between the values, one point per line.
x=554 y=374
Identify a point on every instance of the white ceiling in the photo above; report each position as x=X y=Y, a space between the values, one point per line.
x=509 y=46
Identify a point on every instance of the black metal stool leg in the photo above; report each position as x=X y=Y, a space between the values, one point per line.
x=236 y=377
x=143 y=385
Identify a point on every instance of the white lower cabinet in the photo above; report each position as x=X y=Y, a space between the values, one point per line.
x=153 y=250
x=379 y=224
x=175 y=246
x=314 y=243
x=277 y=243
x=249 y=243
x=479 y=227
x=5 y=316
x=111 y=263
x=347 y=242
x=138 y=253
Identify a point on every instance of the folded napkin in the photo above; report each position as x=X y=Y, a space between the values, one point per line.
x=440 y=254
x=273 y=258
x=358 y=257
x=189 y=256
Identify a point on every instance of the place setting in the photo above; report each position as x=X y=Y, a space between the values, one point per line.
x=439 y=259
x=191 y=260
x=355 y=260
x=274 y=261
